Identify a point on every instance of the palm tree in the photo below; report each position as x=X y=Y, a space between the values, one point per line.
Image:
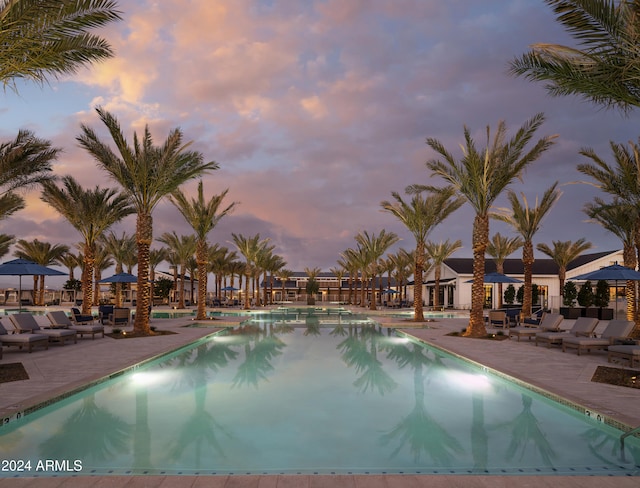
x=562 y=253
x=438 y=252
x=6 y=241
x=147 y=173
x=202 y=216
x=526 y=221
x=156 y=256
x=91 y=212
x=182 y=248
x=102 y=262
x=272 y=264
x=620 y=218
x=499 y=248
x=283 y=275
x=250 y=248
x=607 y=68
x=50 y=37
x=420 y=217
x=70 y=261
x=43 y=253
x=119 y=248
x=480 y=177
x=338 y=272
x=374 y=247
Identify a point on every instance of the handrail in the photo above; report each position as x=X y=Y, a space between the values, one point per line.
x=627 y=434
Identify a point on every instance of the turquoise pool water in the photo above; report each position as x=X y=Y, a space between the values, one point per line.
x=306 y=396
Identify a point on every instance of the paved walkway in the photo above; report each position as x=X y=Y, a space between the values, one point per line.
x=62 y=369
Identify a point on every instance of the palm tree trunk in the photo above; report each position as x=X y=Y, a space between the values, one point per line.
x=144 y=236
x=418 y=311
x=527 y=259
x=87 y=275
x=247 y=300
x=183 y=270
x=480 y=239
x=201 y=259
x=436 y=291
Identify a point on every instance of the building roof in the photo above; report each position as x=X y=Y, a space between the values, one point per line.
x=541 y=266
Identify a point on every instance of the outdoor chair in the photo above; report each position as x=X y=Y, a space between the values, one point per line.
x=615 y=330
x=550 y=322
x=25 y=322
x=80 y=318
x=630 y=352
x=498 y=318
x=60 y=319
x=583 y=327
x=22 y=340
x=103 y=313
x=121 y=317
x=534 y=319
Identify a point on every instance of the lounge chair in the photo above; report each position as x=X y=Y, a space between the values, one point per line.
x=121 y=317
x=25 y=322
x=22 y=340
x=615 y=330
x=60 y=319
x=583 y=327
x=80 y=318
x=498 y=318
x=630 y=352
x=550 y=323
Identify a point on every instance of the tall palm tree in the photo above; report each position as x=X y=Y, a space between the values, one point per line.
x=438 y=252
x=273 y=263
x=250 y=248
x=147 y=173
x=51 y=37
x=420 y=217
x=526 y=221
x=606 y=70
x=480 y=176
x=620 y=218
x=102 y=262
x=156 y=256
x=499 y=248
x=119 y=248
x=182 y=248
x=91 y=212
x=202 y=216
x=43 y=253
x=562 y=253
x=374 y=247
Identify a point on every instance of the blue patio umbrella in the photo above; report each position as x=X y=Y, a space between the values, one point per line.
x=120 y=278
x=229 y=288
x=496 y=277
x=389 y=291
x=24 y=267
x=614 y=273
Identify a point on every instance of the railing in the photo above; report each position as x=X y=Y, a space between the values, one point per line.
x=625 y=435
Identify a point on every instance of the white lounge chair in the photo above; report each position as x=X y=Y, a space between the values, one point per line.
x=583 y=327
x=550 y=323
x=22 y=340
x=25 y=322
x=616 y=329
x=60 y=319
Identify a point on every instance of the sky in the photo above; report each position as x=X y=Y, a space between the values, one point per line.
x=316 y=111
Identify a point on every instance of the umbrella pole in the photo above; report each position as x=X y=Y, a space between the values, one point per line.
x=19 y=293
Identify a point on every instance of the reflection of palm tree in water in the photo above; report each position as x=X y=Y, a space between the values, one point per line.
x=257 y=360
x=525 y=431
x=361 y=352
x=312 y=325
x=419 y=429
x=91 y=433
x=600 y=442
x=200 y=429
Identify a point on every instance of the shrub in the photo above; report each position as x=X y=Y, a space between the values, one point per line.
x=585 y=295
x=570 y=294
x=601 y=298
x=510 y=295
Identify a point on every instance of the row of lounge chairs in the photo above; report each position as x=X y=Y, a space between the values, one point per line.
x=615 y=337
x=23 y=330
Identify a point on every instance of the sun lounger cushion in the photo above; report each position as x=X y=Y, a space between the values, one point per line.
x=583 y=327
x=25 y=322
x=22 y=340
x=616 y=329
x=60 y=318
x=550 y=322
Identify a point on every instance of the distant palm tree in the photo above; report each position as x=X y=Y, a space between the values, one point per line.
x=70 y=261
x=182 y=248
x=102 y=262
x=50 y=37
x=526 y=221
x=374 y=246
x=273 y=263
x=562 y=253
x=620 y=218
x=438 y=252
x=499 y=248
x=250 y=248
x=339 y=273
x=420 y=217
x=147 y=173
x=283 y=275
x=606 y=70
x=156 y=256
x=480 y=176
x=91 y=212
x=43 y=253
x=6 y=241
x=119 y=248
x=202 y=216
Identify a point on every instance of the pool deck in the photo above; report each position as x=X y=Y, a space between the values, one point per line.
x=60 y=369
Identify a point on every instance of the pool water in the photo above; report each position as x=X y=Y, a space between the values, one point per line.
x=287 y=397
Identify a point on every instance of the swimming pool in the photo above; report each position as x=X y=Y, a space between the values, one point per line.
x=283 y=397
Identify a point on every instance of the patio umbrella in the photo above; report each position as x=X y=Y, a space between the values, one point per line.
x=496 y=277
x=614 y=273
x=24 y=267
x=120 y=278
x=229 y=288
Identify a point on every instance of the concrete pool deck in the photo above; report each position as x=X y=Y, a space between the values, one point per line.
x=62 y=368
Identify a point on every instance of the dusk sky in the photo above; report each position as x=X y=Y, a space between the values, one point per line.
x=316 y=111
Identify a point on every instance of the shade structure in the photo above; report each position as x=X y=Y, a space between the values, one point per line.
x=614 y=273
x=24 y=267
x=120 y=278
